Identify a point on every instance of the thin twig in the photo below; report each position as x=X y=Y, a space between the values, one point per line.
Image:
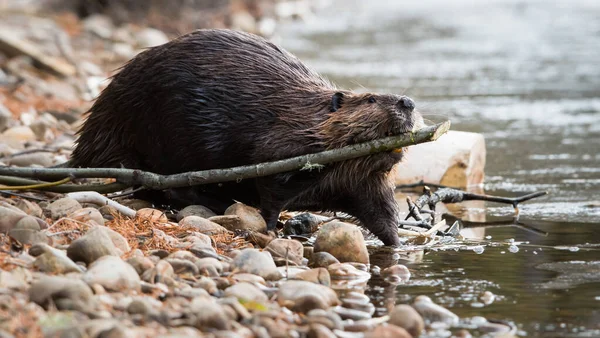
x=40 y=185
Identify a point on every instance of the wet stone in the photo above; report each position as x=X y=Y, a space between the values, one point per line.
x=432 y=312
x=396 y=274
x=406 y=317
x=351 y=314
x=357 y=304
x=321 y=260
x=344 y=241
x=388 y=331
x=317 y=275
x=329 y=319
x=301 y=296
x=347 y=271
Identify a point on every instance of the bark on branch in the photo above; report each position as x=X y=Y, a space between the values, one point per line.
x=132 y=177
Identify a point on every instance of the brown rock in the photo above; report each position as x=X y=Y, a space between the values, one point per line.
x=29 y=208
x=302 y=296
x=94 y=244
x=63 y=207
x=195 y=210
x=388 y=331
x=250 y=217
x=202 y=225
x=344 y=241
x=321 y=260
x=406 y=317
x=87 y=215
x=152 y=215
x=286 y=251
x=317 y=275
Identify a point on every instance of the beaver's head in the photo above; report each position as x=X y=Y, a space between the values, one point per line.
x=356 y=118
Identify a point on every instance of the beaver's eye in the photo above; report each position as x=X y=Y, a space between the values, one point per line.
x=372 y=99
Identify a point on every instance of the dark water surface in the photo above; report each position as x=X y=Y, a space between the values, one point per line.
x=526 y=74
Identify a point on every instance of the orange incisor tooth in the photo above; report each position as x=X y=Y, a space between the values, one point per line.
x=397 y=150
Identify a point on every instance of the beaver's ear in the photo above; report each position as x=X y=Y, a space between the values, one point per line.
x=336 y=101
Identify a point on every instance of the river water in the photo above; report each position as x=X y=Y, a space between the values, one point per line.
x=526 y=74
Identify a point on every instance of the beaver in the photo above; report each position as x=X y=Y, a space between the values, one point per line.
x=218 y=98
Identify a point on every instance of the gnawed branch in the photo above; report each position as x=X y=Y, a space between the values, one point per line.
x=133 y=177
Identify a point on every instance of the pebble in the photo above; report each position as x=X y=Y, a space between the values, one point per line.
x=17 y=136
x=250 y=217
x=406 y=317
x=329 y=319
x=183 y=267
x=89 y=216
x=94 y=244
x=150 y=37
x=202 y=225
x=41 y=159
x=321 y=260
x=30 y=208
x=140 y=264
x=351 y=314
x=286 y=251
x=344 y=241
x=432 y=312
x=12 y=281
x=347 y=271
x=487 y=298
x=63 y=292
x=319 y=331
x=194 y=210
x=162 y=272
x=247 y=277
x=208 y=314
x=28 y=236
x=302 y=296
x=152 y=215
x=53 y=260
x=246 y=292
x=31 y=223
x=388 y=331
x=317 y=275
x=100 y=25
x=396 y=274
x=113 y=274
x=209 y=266
x=256 y=262
x=9 y=218
x=63 y=207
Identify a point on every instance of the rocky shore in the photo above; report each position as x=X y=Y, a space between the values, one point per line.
x=70 y=268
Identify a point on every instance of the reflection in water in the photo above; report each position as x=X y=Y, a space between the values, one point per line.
x=526 y=75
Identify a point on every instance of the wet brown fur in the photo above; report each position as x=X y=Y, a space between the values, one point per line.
x=217 y=99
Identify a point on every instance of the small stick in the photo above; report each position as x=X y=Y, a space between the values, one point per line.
x=132 y=177
x=37 y=186
x=96 y=198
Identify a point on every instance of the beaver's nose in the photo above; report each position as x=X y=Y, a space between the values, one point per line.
x=406 y=103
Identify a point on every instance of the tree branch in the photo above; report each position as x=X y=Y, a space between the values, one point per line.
x=131 y=177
